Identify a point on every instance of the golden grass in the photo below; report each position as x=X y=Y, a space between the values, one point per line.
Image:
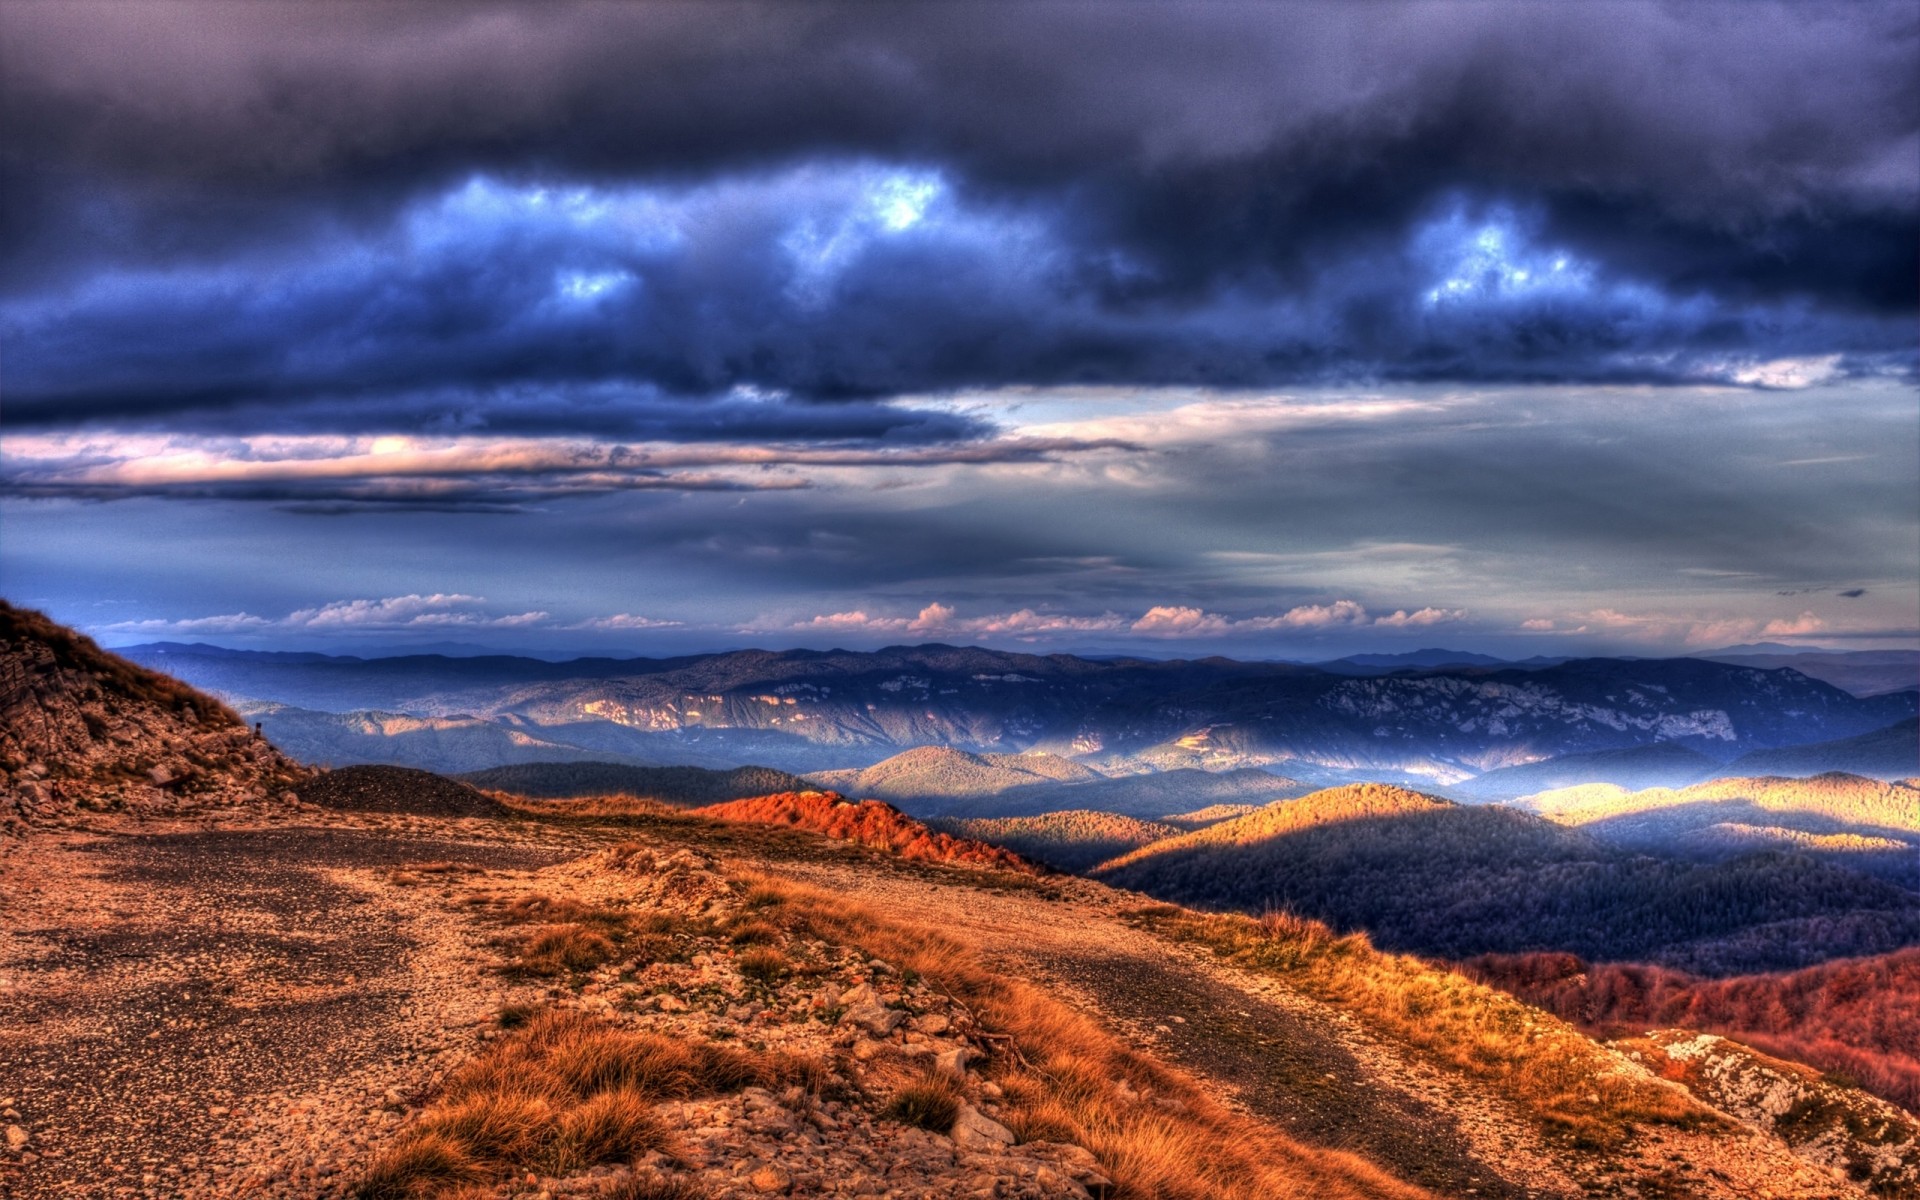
x=1156 y=1132
x=763 y=964
x=560 y=949
x=563 y=1092
x=423 y=1166
x=1571 y=1085
x=931 y=1101
x=640 y=1187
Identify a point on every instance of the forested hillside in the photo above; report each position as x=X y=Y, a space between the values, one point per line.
x=1419 y=873
x=1859 y=1017
x=1075 y=840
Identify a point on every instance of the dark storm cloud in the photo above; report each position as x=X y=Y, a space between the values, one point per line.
x=268 y=212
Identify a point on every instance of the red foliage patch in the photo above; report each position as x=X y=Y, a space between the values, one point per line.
x=1858 y=1017
x=870 y=823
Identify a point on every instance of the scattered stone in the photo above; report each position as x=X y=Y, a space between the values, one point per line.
x=975 y=1130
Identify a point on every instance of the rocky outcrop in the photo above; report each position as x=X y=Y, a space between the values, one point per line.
x=82 y=730
x=1821 y=1119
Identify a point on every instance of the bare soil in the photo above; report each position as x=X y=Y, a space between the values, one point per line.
x=166 y=989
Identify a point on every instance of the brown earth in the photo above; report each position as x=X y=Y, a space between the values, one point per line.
x=200 y=1012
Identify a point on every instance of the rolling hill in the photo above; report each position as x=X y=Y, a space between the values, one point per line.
x=1867 y=824
x=1075 y=840
x=868 y=822
x=934 y=778
x=1423 y=874
x=1662 y=764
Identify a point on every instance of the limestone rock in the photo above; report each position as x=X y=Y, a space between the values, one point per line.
x=975 y=1130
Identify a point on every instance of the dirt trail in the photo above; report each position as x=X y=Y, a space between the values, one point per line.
x=161 y=994
x=1301 y=1065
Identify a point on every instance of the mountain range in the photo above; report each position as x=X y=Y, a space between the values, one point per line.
x=810 y=711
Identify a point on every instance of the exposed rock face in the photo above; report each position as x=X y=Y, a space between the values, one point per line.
x=84 y=730
x=1855 y=1135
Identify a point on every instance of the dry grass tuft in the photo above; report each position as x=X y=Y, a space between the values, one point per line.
x=419 y=1167
x=764 y=965
x=561 y=949
x=1161 y=1135
x=612 y=1126
x=753 y=933
x=642 y=1187
x=931 y=1101
x=564 y=1092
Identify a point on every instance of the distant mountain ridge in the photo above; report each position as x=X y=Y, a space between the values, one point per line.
x=805 y=711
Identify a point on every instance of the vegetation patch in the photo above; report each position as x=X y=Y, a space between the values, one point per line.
x=1065 y=1078
x=1571 y=1085
x=563 y=1092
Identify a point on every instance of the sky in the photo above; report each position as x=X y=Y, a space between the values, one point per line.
x=1278 y=331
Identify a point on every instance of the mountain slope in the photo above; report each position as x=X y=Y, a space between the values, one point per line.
x=1857 y=1016
x=1422 y=874
x=84 y=729
x=394 y=1002
x=1890 y=753
x=1074 y=840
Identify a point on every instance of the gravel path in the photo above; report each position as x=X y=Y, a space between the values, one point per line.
x=185 y=987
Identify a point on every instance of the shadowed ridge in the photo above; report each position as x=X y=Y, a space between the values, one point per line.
x=869 y=822
x=398 y=790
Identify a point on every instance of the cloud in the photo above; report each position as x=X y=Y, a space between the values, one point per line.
x=768 y=221
x=624 y=622
x=441 y=472
x=410 y=613
x=1423 y=616
x=1667 y=629
x=1800 y=626
x=940 y=620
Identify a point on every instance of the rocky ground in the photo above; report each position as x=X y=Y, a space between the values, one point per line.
x=267 y=1008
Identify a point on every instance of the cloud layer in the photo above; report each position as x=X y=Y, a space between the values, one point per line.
x=768 y=220
x=1259 y=328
